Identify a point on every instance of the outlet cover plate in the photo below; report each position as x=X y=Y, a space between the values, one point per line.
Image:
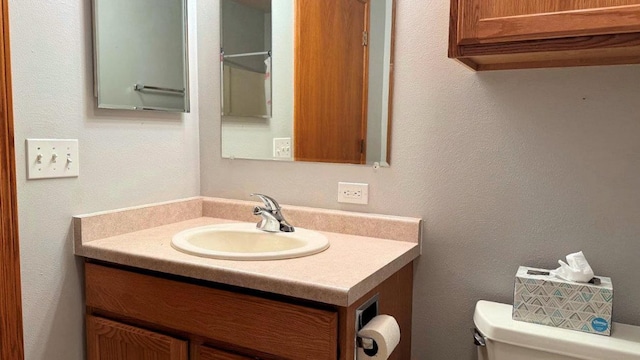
x=52 y=158
x=353 y=193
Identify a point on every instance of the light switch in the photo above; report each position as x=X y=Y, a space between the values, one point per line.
x=52 y=158
x=282 y=148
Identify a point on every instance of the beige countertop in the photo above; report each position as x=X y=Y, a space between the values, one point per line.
x=351 y=266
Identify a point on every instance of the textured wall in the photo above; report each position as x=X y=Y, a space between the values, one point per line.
x=506 y=168
x=126 y=158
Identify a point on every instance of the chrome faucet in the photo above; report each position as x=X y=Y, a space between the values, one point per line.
x=272 y=219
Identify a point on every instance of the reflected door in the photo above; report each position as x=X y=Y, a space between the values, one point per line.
x=331 y=80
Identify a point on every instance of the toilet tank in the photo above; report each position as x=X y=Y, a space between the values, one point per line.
x=501 y=338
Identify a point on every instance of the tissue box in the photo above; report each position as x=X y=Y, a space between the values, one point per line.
x=547 y=300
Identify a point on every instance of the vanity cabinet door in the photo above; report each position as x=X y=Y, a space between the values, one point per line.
x=266 y=326
x=208 y=353
x=110 y=340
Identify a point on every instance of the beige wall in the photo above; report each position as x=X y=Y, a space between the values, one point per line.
x=506 y=168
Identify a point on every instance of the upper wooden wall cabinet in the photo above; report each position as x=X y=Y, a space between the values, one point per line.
x=508 y=34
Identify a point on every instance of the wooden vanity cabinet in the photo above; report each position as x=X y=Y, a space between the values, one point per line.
x=208 y=353
x=506 y=34
x=108 y=339
x=136 y=314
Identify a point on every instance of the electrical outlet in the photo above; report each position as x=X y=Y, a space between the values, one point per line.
x=282 y=148
x=353 y=193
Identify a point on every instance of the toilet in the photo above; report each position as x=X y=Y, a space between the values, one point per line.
x=499 y=337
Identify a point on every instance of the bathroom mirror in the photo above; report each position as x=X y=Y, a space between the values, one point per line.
x=307 y=80
x=140 y=54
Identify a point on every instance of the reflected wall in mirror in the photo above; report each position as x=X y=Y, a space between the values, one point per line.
x=140 y=54
x=328 y=70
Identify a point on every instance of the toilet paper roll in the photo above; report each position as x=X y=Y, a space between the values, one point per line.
x=384 y=330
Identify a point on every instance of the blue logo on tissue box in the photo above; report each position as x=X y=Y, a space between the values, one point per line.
x=599 y=324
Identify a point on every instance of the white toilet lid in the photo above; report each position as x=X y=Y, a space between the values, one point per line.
x=494 y=321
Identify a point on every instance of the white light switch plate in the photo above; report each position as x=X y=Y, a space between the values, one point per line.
x=52 y=158
x=282 y=148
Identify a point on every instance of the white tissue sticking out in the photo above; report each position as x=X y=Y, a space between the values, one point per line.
x=577 y=269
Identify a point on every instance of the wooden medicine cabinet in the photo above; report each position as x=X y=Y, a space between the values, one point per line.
x=506 y=34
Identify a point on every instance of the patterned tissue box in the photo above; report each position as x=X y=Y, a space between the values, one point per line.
x=547 y=300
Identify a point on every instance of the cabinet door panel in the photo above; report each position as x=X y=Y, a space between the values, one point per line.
x=250 y=322
x=207 y=353
x=109 y=340
x=484 y=21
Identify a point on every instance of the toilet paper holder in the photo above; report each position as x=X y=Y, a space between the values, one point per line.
x=364 y=314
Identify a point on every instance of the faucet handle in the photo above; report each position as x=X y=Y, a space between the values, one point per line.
x=270 y=203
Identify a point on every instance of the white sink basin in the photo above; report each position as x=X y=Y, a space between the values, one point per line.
x=242 y=241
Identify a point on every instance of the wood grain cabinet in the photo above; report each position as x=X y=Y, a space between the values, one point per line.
x=209 y=353
x=507 y=34
x=110 y=340
x=133 y=314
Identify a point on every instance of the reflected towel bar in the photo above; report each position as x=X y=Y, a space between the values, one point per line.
x=157 y=108
x=268 y=53
x=140 y=87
